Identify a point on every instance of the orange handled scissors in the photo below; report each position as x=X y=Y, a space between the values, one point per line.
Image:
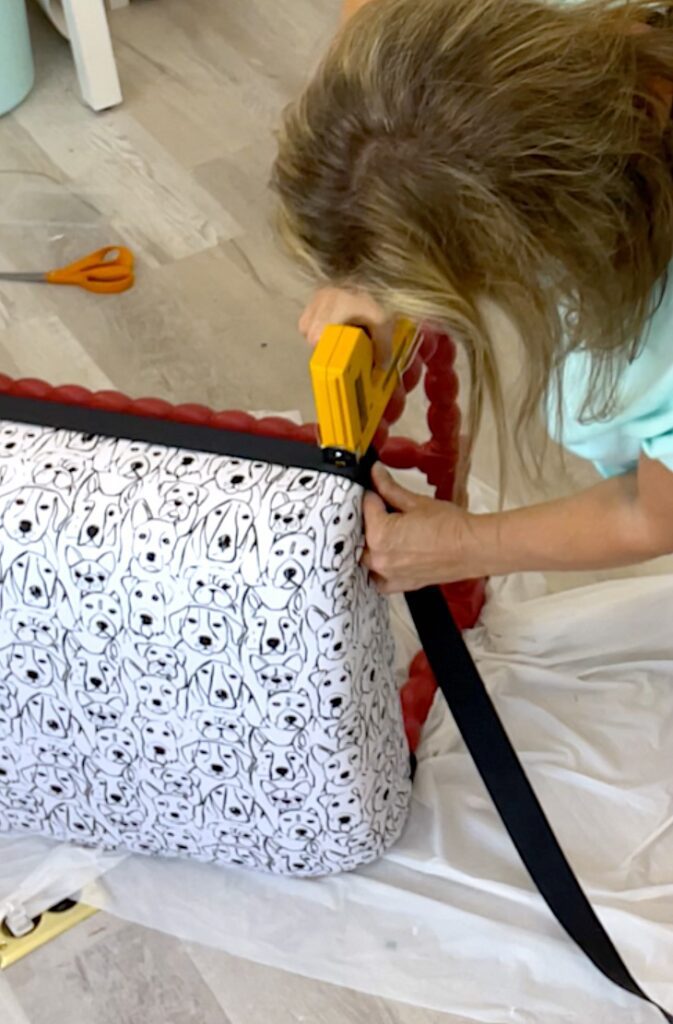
x=107 y=270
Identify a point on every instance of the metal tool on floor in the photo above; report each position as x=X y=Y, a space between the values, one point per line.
x=49 y=925
x=106 y=271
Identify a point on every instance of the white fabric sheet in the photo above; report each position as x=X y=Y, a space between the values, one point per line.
x=449 y=920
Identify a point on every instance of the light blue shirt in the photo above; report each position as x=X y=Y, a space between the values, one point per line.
x=642 y=420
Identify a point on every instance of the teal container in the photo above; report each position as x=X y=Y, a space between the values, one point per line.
x=16 y=57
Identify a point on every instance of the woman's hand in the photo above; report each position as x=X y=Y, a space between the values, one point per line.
x=620 y=521
x=424 y=542
x=339 y=306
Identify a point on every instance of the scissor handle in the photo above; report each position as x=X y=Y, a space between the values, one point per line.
x=107 y=270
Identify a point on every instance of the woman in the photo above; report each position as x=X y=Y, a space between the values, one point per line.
x=519 y=151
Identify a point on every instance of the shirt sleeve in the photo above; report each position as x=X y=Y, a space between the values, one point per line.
x=643 y=418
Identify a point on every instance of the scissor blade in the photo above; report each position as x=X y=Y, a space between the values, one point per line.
x=23 y=277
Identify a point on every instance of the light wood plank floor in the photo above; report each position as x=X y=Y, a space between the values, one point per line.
x=179 y=173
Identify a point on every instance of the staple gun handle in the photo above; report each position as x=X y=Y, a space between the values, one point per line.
x=351 y=392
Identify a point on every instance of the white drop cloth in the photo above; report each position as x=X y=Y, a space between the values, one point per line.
x=449 y=920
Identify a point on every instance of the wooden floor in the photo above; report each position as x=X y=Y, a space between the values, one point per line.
x=178 y=173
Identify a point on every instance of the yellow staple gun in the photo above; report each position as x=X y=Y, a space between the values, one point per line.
x=350 y=392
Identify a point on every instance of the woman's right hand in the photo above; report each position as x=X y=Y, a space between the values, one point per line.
x=339 y=306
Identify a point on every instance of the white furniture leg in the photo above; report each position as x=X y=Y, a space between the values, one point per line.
x=91 y=44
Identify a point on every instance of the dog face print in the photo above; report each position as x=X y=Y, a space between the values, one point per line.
x=279 y=764
x=52 y=781
x=9 y=709
x=341 y=536
x=182 y=840
x=289 y=515
x=30 y=581
x=19 y=795
x=111 y=792
x=145 y=842
x=236 y=837
x=274 y=675
x=55 y=753
x=220 y=727
x=301 y=826
x=288 y=713
x=95 y=674
x=132 y=816
x=211 y=591
x=18 y=439
x=154 y=540
x=205 y=630
x=61 y=474
x=301 y=863
x=335 y=691
x=291 y=560
x=8 y=766
x=90 y=575
x=8 y=720
x=217 y=761
x=369 y=674
x=186 y=465
x=229 y=804
x=135 y=460
x=286 y=797
x=45 y=714
x=172 y=809
x=65 y=820
x=160 y=660
x=175 y=780
x=147 y=606
x=333 y=634
x=157 y=695
x=101 y=714
x=79 y=444
x=115 y=751
x=301 y=484
x=344 y=591
x=342 y=768
x=382 y=792
x=101 y=618
x=179 y=501
x=241 y=475
x=159 y=741
x=30 y=512
x=268 y=631
x=350 y=848
x=227 y=531
x=97 y=517
x=349 y=730
x=219 y=684
x=35 y=630
x=364 y=841
x=344 y=810
x=35 y=666
x=24 y=813
x=7 y=694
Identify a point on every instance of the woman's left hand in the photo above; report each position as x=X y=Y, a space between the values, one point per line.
x=422 y=543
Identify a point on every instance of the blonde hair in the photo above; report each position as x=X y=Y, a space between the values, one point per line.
x=452 y=150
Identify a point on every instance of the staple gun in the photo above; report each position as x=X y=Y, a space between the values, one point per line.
x=350 y=392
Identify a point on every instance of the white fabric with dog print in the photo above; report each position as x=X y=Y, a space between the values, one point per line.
x=193 y=661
